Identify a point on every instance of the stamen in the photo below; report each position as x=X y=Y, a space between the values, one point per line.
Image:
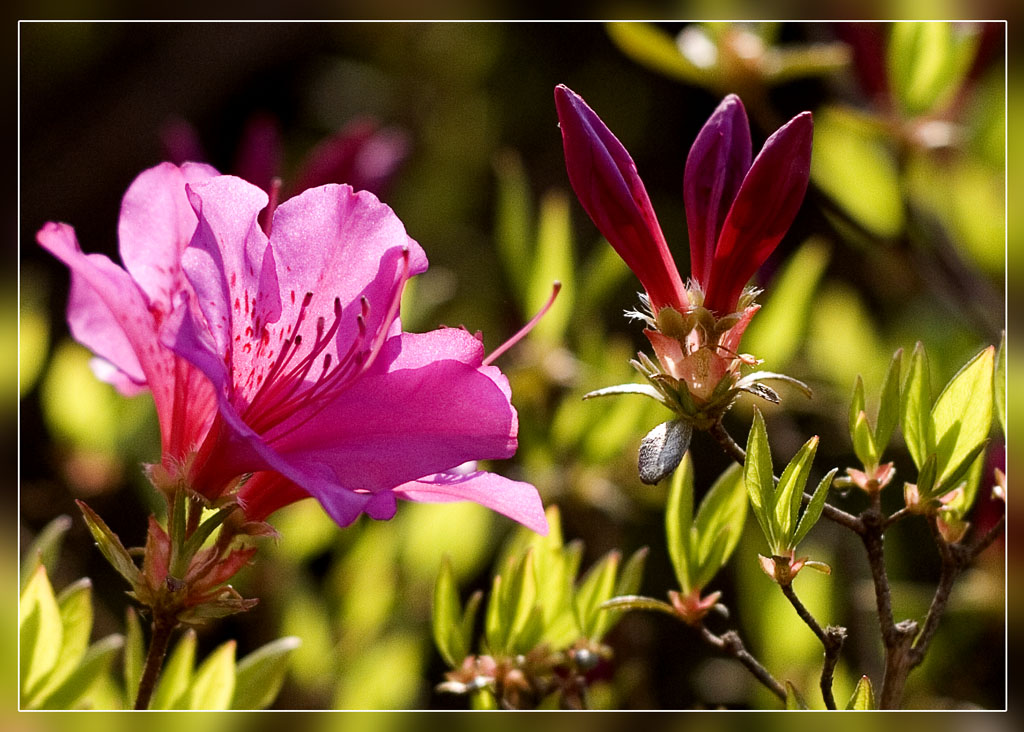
x=555 y=288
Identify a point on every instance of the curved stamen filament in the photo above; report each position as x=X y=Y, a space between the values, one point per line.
x=555 y=288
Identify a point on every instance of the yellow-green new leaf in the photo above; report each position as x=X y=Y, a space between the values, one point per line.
x=595 y=587
x=40 y=633
x=863 y=698
x=446 y=616
x=45 y=548
x=915 y=408
x=789 y=495
x=678 y=522
x=719 y=523
x=134 y=654
x=214 y=683
x=962 y=415
x=758 y=476
x=93 y=669
x=814 y=507
x=259 y=676
x=75 y=603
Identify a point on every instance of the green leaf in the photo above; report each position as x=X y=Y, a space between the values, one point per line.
x=649 y=46
x=214 y=683
x=596 y=586
x=110 y=546
x=446 y=616
x=889 y=404
x=552 y=262
x=863 y=697
x=758 y=477
x=793 y=698
x=176 y=675
x=40 y=633
x=93 y=669
x=853 y=165
x=259 y=676
x=495 y=624
x=513 y=219
x=927 y=62
x=962 y=503
x=780 y=327
x=522 y=602
x=864 y=442
x=45 y=548
x=678 y=521
x=75 y=603
x=926 y=478
x=790 y=494
x=857 y=406
x=638 y=602
x=915 y=411
x=814 y=507
x=719 y=523
x=999 y=383
x=962 y=415
x=134 y=654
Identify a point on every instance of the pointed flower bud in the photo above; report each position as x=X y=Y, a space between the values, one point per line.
x=606 y=182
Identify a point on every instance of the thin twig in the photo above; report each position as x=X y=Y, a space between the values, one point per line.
x=832 y=638
x=731 y=643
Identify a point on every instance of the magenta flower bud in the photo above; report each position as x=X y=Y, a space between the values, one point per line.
x=605 y=180
x=738 y=212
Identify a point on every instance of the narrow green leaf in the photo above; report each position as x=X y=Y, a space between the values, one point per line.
x=446 y=615
x=864 y=442
x=521 y=599
x=999 y=383
x=45 y=548
x=962 y=415
x=134 y=654
x=790 y=492
x=260 y=675
x=863 y=697
x=513 y=219
x=75 y=603
x=794 y=700
x=93 y=669
x=720 y=518
x=758 y=477
x=962 y=503
x=40 y=633
x=110 y=546
x=889 y=404
x=637 y=602
x=713 y=559
x=955 y=473
x=552 y=262
x=469 y=619
x=678 y=520
x=176 y=675
x=857 y=406
x=814 y=507
x=915 y=408
x=214 y=683
x=926 y=478
x=494 y=620
x=596 y=586
x=628 y=583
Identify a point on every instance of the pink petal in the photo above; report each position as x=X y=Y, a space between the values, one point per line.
x=156 y=224
x=715 y=167
x=434 y=407
x=519 y=501
x=340 y=244
x=606 y=182
x=110 y=315
x=765 y=206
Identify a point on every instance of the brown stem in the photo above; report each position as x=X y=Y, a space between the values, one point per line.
x=163 y=627
x=832 y=638
x=731 y=643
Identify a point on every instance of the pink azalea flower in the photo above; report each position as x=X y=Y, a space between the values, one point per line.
x=292 y=345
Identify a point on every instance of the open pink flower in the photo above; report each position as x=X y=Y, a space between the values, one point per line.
x=119 y=313
x=282 y=357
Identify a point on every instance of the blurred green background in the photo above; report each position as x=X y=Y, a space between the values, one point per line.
x=901 y=238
